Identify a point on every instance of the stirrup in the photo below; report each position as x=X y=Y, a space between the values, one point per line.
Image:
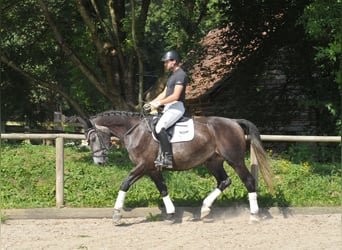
x=163 y=162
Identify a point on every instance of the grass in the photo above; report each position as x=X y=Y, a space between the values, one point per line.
x=27 y=177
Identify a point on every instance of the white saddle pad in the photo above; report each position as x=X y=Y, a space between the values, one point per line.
x=183 y=131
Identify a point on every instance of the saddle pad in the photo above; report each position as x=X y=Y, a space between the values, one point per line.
x=183 y=131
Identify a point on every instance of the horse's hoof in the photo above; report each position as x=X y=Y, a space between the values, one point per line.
x=116 y=217
x=205 y=211
x=170 y=218
x=208 y=219
x=254 y=218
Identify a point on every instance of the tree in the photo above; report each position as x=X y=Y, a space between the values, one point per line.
x=29 y=48
x=90 y=52
x=321 y=20
x=107 y=63
x=322 y=23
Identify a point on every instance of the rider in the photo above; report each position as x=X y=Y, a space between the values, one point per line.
x=172 y=98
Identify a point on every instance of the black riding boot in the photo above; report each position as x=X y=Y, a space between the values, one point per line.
x=165 y=158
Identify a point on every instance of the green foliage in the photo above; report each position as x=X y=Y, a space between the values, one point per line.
x=307 y=185
x=33 y=48
x=309 y=152
x=322 y=22
x=28 y=180
x=178 y=25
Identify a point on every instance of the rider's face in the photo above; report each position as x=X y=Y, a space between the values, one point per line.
x=169 y=64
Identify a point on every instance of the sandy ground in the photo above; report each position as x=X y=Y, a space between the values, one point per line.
x=274 y=231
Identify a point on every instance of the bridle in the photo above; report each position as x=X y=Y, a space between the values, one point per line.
x=102 y=148
x=103 y=145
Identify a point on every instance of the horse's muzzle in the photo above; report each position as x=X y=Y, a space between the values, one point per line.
x=100 y=160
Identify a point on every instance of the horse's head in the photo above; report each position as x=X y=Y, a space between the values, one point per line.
x=117 y=123
x=100 y=143
x=99 y=140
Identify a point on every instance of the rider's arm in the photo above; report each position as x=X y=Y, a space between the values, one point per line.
x=174 y=96
x=160 y=96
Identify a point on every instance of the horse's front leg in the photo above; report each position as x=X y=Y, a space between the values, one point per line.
x=158 y=179
x=135 y=175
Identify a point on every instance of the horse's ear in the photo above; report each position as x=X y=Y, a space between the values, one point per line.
x=85 y=122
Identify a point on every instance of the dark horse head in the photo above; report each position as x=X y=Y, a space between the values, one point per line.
x=99 y=135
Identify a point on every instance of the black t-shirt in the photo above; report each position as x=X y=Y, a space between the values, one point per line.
x=178 y=77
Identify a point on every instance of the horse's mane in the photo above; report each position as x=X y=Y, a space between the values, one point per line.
x=117 y=113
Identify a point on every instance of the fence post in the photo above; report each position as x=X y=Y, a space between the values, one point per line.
x=254 y=167
x=59 y=172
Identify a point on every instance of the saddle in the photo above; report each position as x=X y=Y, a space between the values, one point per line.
x=181 y=131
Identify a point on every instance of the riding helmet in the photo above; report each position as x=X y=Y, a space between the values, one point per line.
x=170 y=55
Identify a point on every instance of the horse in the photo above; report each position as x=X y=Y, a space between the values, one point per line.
x=216 y=139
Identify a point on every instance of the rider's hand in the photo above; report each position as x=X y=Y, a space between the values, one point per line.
x=147 y=107
x=155 y=104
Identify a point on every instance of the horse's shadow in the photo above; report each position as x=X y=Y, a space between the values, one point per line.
x=182 y=213
x=193 y=214
x=127 y=223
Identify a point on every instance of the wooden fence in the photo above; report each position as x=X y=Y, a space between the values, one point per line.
x=59 y=142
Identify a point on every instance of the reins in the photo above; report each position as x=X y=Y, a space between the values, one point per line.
x=131 y=129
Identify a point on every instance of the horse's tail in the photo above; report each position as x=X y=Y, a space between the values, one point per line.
x=259 y=151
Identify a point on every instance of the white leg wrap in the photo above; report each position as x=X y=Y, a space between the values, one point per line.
x=170 y=208
x=120 y=200
x=211 y=197
x=253 y=203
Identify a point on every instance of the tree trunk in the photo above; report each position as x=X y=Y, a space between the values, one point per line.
x=52 y=87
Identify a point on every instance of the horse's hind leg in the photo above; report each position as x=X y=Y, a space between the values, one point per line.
x=249 y=181
x=215 y=166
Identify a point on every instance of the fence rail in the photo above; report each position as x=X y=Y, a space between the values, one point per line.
x=300 y=138
x=287 y=138
x=59 y=142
